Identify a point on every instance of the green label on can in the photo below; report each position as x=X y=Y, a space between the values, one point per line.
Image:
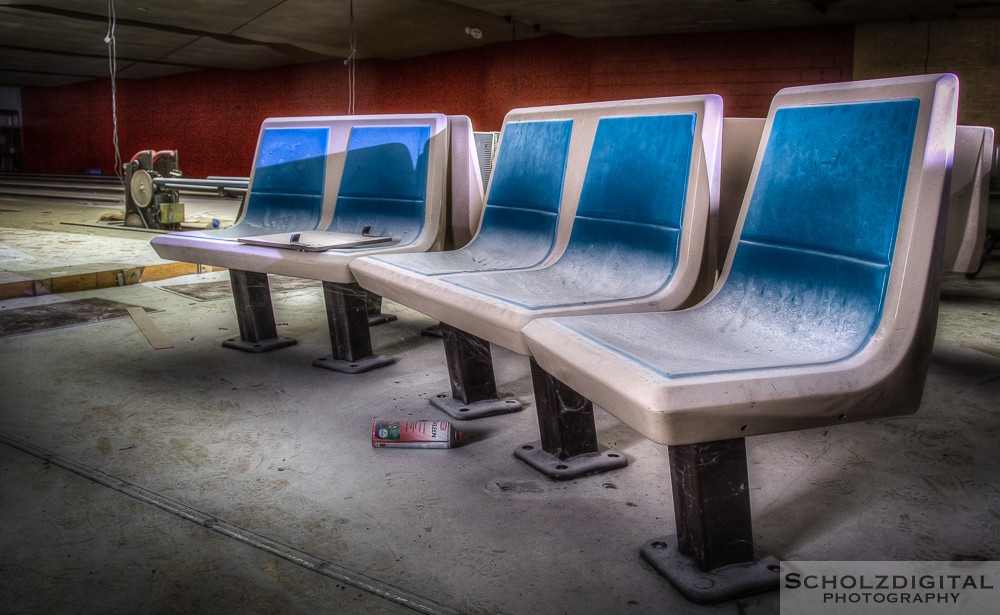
x=389 y=432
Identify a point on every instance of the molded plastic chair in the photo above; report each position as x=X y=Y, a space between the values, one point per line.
x=378 y=175
x=825 y=313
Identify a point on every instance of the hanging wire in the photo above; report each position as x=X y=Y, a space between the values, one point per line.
x=351 y=62
x=109 y=39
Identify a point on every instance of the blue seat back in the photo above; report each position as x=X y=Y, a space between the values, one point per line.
x=632 y=204
x=521 y=214
x=816 y=245
x=286 y=190
x=384 y=184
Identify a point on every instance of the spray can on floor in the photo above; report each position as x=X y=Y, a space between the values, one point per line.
x=413 y=434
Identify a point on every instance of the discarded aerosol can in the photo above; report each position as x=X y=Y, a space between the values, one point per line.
x=413 y=434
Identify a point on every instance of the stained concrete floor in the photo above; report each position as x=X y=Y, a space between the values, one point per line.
x=148 y=472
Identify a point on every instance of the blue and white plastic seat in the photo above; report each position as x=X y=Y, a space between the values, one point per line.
x=825 y=312
x=384 y=175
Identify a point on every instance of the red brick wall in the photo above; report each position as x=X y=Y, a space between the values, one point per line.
x=212 y=116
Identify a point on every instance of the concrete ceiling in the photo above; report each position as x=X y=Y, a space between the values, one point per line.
x=57 y=42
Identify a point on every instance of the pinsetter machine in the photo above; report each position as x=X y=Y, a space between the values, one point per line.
x=146 y=204
x=153 y=180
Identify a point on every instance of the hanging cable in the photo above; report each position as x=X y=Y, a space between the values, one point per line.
x=109 y=39
x=351 y=62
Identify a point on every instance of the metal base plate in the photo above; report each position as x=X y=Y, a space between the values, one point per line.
x=380 y=319
x=476 y=410
x=271 y=343
x=719 y=585
x=604 y=460
x=353 y=367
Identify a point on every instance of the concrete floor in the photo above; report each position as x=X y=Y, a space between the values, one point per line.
x=148 y=471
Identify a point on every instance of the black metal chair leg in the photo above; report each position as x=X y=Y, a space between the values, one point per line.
x=254 y=313
x=473 y=384
x=568 y=447
x=712 y=557
x=347 y=316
